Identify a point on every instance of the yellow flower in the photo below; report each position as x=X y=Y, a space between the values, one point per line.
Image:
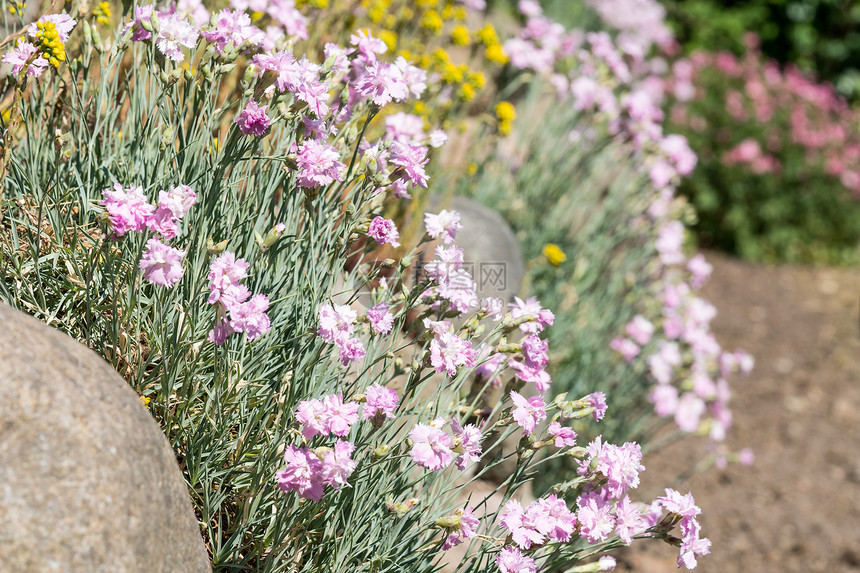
x=554 y=254
x=256 y=16
x=487 y=36
x=477 y=80
x=441 y=57
x=321 y=4
x=390 y=21
x=49 y=43
x=466 y=92
x=460 y=35
x=505 y=111
x=459 y=13
x=472 y=168
x=505 y=127
x=102 y=13
x=407 y=13
x=389 y=37
x=432 y=21
x=145 y=401
x=496 y=54
x=406 y=55
x=427 y=3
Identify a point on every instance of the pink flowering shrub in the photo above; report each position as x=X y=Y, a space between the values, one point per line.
x=184 y=206
x=780 y=158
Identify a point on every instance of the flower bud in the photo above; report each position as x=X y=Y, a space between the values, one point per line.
x=273 y=235
x=380 y=452
x=154 y=22
x=215 y=248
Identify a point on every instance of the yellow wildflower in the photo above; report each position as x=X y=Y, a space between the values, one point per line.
x=460 y=35
x=145 y=401
x=432 y=21
x=49 y=43
x=466 y=92
x=487 y=36
x=102 y=13
x=477 y=80
x=426 y=3
x=459 y=13
x=472 y=168
x=497 y=55
x=389 y=37
x=407 y=13
x=554 y=254
x=505 y=111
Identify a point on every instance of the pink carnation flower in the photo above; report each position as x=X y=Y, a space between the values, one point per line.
x=303 y=474
x=384 y=231
x=521 y=524
x=467 y=528
x=340 y=415
x=469 y=437
x=175 y=33
x=380 y=402
x=528 y=412
x=350 y=350
x=511 y=560
x=445 y=224
x=318 y=164
x=253 y=119
x=128 y=209
x=338 y=464
x=431 y=447
x=250 y=317
x=382 y=83
x=20 y=57
x=381 y=320
x=563 y=436
x=448 y=352
x=412 y=159
x=161 y=265
x=335 y=322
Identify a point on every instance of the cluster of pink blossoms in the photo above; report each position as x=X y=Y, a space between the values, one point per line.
x=128 y=211
x=27 y=54
x=237 y=310
x=435 y=449
x=448 y=351
x=384 y=231
x=308 y=471
x=336 y=324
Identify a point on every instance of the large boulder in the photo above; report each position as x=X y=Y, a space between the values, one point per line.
x=88 y=483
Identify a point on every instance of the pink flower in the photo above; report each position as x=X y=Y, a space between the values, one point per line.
x=510 y=560
x=340 y=416
x=448 y=352
x=619 y=465
x=62 y=22
x=225 y=272
x=318 y=164
x=528 y=412
x=250 y=317
x=381 y=402
x=628 y=520
x=626 y=347
x=253 y=120
x=466 y=528
x=128 y=209
x=367 y=45
x=232 y=27
x=381 y=320
x=444 y=225
x=431 y=447
x=563 y=436
x=313 y=416
x=175 y=33
x=538 y=317
x=335 y=322
x=469 y=437
x=521 y=525
x=596 y=400
x=700 y=270
x=351 y=350
x=535 y=352
x=303 y=474
x=384 y=231
x=161 y=265
x=553 y=518
x=338 y=464
x=382 y=83
x=20 y=57
x=412 y=159
x=595 y=517
x=688 y=412
x=640 y=329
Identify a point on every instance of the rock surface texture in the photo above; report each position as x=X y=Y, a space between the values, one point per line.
x=88 y=483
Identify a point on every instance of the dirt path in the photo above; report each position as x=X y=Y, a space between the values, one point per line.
x=798 y=507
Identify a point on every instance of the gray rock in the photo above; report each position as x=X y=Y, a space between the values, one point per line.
x=88 y=482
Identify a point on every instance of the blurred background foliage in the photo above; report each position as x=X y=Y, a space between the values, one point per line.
x=821 y=37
